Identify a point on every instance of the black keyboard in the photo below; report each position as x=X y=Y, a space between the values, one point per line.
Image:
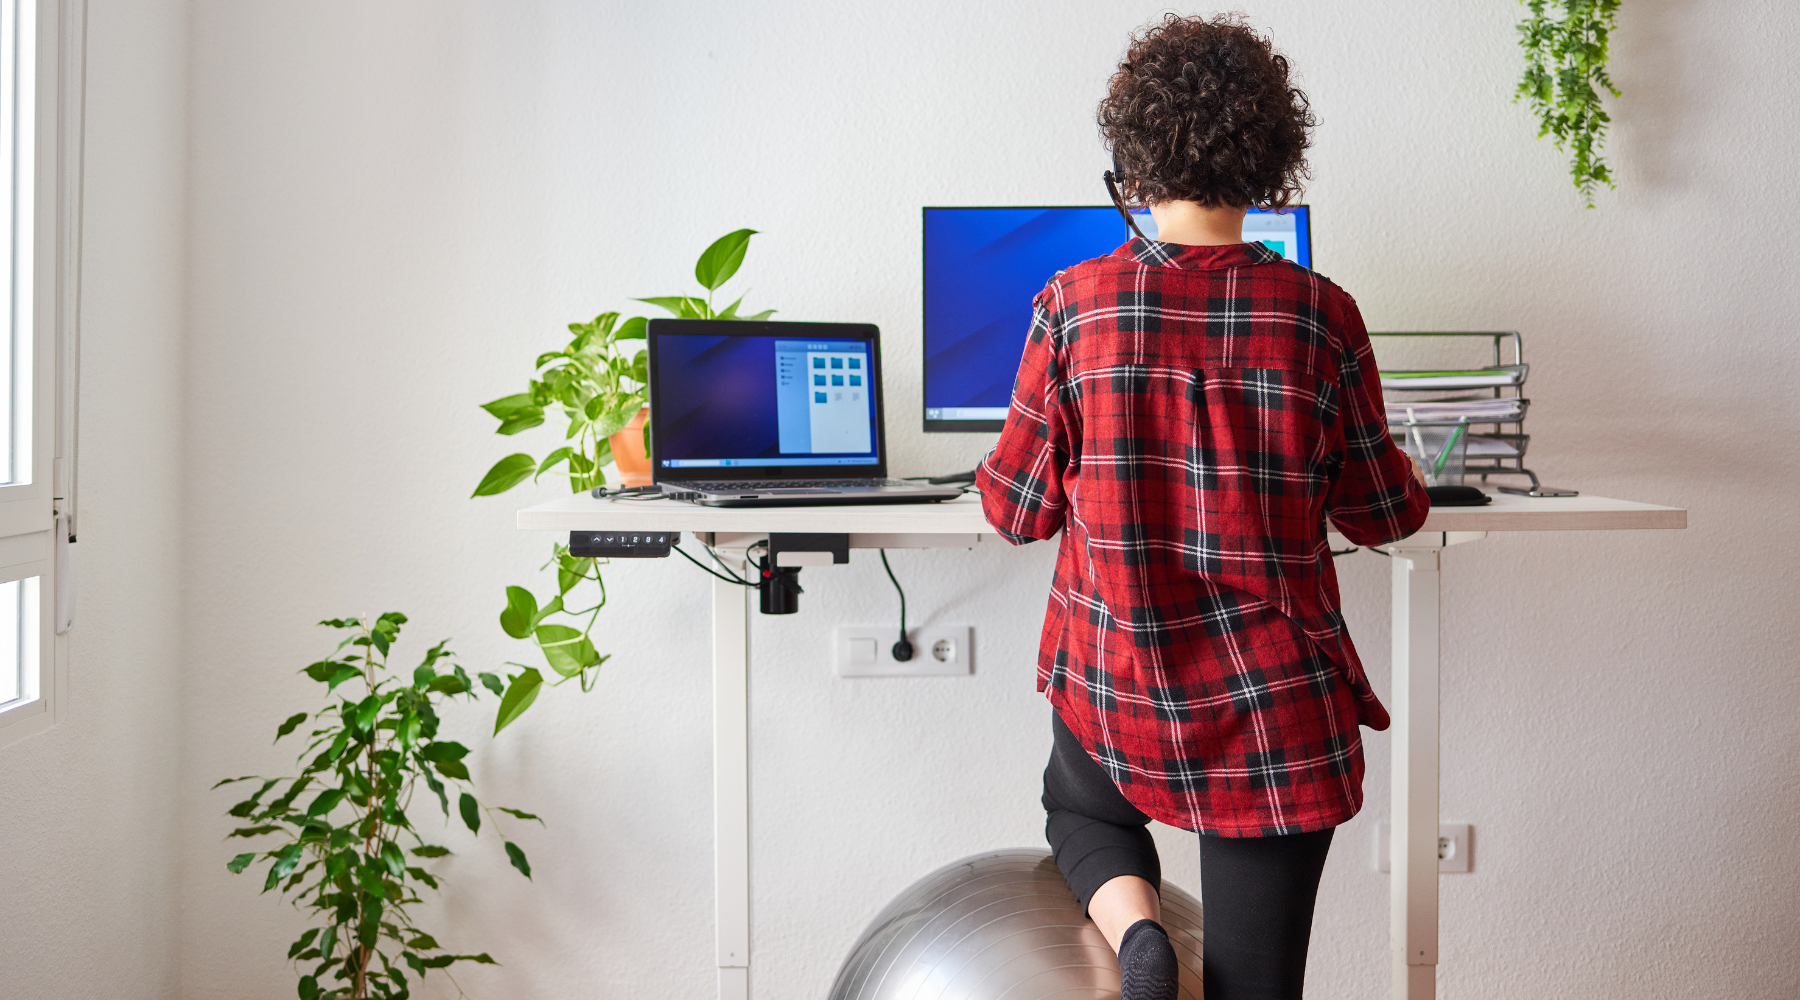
x=794 y=484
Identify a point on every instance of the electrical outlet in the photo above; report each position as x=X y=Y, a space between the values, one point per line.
x=868 y=651
x=1453 y=847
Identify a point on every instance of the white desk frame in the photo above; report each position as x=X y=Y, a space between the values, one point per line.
x=959 y=524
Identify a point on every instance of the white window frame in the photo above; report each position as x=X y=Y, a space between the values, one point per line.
x=37 y=518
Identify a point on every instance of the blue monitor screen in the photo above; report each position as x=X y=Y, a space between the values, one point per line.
x=749 y=401
x=983 y=266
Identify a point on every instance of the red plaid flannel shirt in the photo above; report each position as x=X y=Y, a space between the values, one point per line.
x=1188 y=417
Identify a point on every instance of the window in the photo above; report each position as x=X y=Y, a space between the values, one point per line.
x=41 y=45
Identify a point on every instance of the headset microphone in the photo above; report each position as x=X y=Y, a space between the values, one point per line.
x=1113 y=178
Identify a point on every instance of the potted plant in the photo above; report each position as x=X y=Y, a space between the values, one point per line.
x=352 y=854
x=598 y=386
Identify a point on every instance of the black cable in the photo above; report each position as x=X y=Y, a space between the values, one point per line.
x=708 y=570
x=903 y=650
x=728 y=570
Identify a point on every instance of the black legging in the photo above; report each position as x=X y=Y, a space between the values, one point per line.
x=1256 y=893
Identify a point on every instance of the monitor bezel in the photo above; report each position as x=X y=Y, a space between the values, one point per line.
x=929 y=426
x=786 y=331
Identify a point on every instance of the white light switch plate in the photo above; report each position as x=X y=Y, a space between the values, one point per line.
x=1453 y=847
x=868 y=651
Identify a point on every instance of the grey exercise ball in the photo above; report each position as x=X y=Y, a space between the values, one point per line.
x=1000 y=926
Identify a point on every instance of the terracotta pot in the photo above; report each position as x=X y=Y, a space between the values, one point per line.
x=628 y=451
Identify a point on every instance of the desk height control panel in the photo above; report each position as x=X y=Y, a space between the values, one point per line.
x=622 y=544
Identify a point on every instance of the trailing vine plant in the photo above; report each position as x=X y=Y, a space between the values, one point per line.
x=344 y=855
x=1565 y=43
x=595 y=385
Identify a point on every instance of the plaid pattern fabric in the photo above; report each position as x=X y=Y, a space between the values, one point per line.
x=1188 y=417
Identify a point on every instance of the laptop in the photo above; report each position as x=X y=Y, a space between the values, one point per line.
x=748 y=413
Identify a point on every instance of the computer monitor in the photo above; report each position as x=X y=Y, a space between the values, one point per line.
x=984 y=265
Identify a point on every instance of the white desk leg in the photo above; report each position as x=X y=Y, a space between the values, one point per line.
x=731 y=783
x=1414 y=892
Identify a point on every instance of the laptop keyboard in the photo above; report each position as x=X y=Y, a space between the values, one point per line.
x=802 y=484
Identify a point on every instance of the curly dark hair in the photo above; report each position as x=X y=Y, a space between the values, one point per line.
x=1201 y=110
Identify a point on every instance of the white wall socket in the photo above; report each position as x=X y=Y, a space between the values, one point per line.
x=868 y=651
x=1453 y=847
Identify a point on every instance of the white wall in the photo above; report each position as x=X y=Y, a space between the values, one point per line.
x=394 y=206
x=89 y=810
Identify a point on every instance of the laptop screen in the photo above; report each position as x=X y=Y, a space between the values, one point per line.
x=764 y=398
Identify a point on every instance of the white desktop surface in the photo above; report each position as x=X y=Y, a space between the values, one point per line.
x=1507 y=512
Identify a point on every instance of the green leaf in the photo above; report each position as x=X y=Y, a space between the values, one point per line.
x=231 y=781
x=367 y=709
x=327 y=801
x=309 y=988
x=722 y=259
x=522 y=422
x=283 y=865
x=517 y=857
x=730 y=311
x=673 y=303
x=452 y=769
x=549 y=356
x=471 y=812
x=566 y=649
x=551 y=460
x=423 y=942
x=635 y=328
x=438 y=787
x=521 y=814
x=521 y=613
x=450 y=684
x=519 y=695
x=255 y=831
x=328 y=943
x=508 y=407
x=444 y=750
x=305 y=941
x=391 y=856
x=570 y=571
x=237 y=865
x=492 y=683
x=765 y=314
x=380 y=639
x=506 y=473
x=430 y=851
x=344 y=673
x=614 y=421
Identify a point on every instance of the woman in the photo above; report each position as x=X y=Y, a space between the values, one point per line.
x=1188 y=412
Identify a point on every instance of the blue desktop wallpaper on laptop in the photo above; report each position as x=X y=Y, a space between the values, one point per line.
x=736 y=401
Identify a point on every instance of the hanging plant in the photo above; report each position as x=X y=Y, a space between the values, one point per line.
x=1565 y=43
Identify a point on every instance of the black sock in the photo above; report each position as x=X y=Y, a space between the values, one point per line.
x=1147 y=966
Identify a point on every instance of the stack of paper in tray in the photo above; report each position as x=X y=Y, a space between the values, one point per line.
x=1487 y=398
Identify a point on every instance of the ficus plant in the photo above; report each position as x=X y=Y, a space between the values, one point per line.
x=1566 y=48
x=595 y=385
x=351 y=855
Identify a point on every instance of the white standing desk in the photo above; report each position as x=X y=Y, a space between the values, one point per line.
x=1413 y=699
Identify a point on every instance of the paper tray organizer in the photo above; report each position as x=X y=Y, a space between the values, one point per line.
x=1491 y=397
